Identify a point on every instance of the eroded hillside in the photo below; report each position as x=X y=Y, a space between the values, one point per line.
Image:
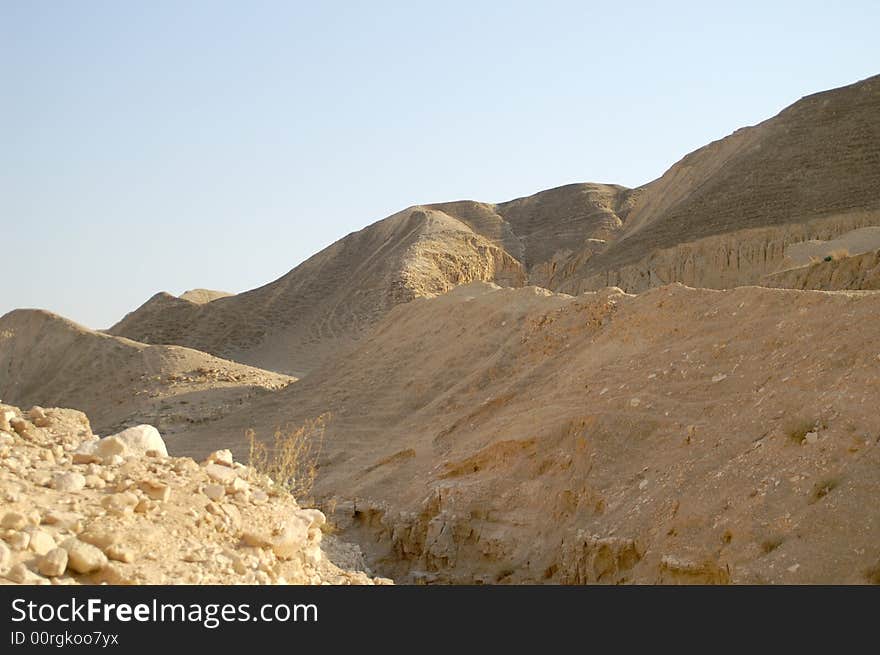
x=505 y=435
x=49 y=360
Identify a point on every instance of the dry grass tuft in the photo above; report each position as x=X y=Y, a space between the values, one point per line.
x=292 y=460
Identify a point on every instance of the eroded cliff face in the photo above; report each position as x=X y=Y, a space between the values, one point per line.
x=729 y=260
x=859 y=272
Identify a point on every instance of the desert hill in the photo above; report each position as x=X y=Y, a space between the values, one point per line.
x=681 y=435
x=725 y=215
x=336 y=296
x=47 y=358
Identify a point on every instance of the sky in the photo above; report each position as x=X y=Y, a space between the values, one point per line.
x=150 y=146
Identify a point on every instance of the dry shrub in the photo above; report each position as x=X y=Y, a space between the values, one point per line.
x=839 y=253
x=292 y=460
x=797 y=428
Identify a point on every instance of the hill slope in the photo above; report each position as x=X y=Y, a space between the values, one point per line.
x=680 y=435
x=815 y=164
x=336 y=296
x=48 y=360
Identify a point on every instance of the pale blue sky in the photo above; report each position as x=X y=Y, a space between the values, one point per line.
x=151 y=145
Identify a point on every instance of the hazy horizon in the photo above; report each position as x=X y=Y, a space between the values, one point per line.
x=214 y=145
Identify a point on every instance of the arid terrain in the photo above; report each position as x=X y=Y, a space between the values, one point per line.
x=676 y=383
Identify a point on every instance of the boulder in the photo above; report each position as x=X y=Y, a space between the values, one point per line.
x=138 y=440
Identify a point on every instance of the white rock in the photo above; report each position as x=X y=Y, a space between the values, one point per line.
x=811 y=437
x=222 y=457
x=68 y=482
x=222 y=474
x=133 y=441
x=53 y=563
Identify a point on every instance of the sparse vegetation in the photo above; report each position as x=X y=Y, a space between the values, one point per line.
x=771 y=544
x=823 y=488
x=292 y=460
x=797 y=428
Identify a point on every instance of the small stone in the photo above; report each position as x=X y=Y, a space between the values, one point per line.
x=6 y=439
x=222 y=474
x=719 y=377
x=18 y=540
x=53 y=563
x=811 y=437
x=214 y=491
x=239 y=485
x=5 y=555
x=95 y=482
x=222 y=457
x=120 y=553
x=144 y=506
x=99 y=537
x=19 y=425
x=41 y=542
x=14 y=521
x=121 y=503
x=156 y=490
x=64 y=520
x=18 y=573
x=5 y=417
x=82 y=557
x=68 y=482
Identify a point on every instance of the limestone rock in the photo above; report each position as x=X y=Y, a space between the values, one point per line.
x=53 y=563
x=14 y=521
x=214 y=491
x=156 y=490
x=68 y=482
x=82 y=557
x=222 y=457
x=41 y=542
x=222 y=474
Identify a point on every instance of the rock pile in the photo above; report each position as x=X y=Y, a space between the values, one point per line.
x=76 y=509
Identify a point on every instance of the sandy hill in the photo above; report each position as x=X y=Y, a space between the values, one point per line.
x=121 y=511
x=336 y=296
x=724 y=216
x=681 y=435
x=48 y=360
